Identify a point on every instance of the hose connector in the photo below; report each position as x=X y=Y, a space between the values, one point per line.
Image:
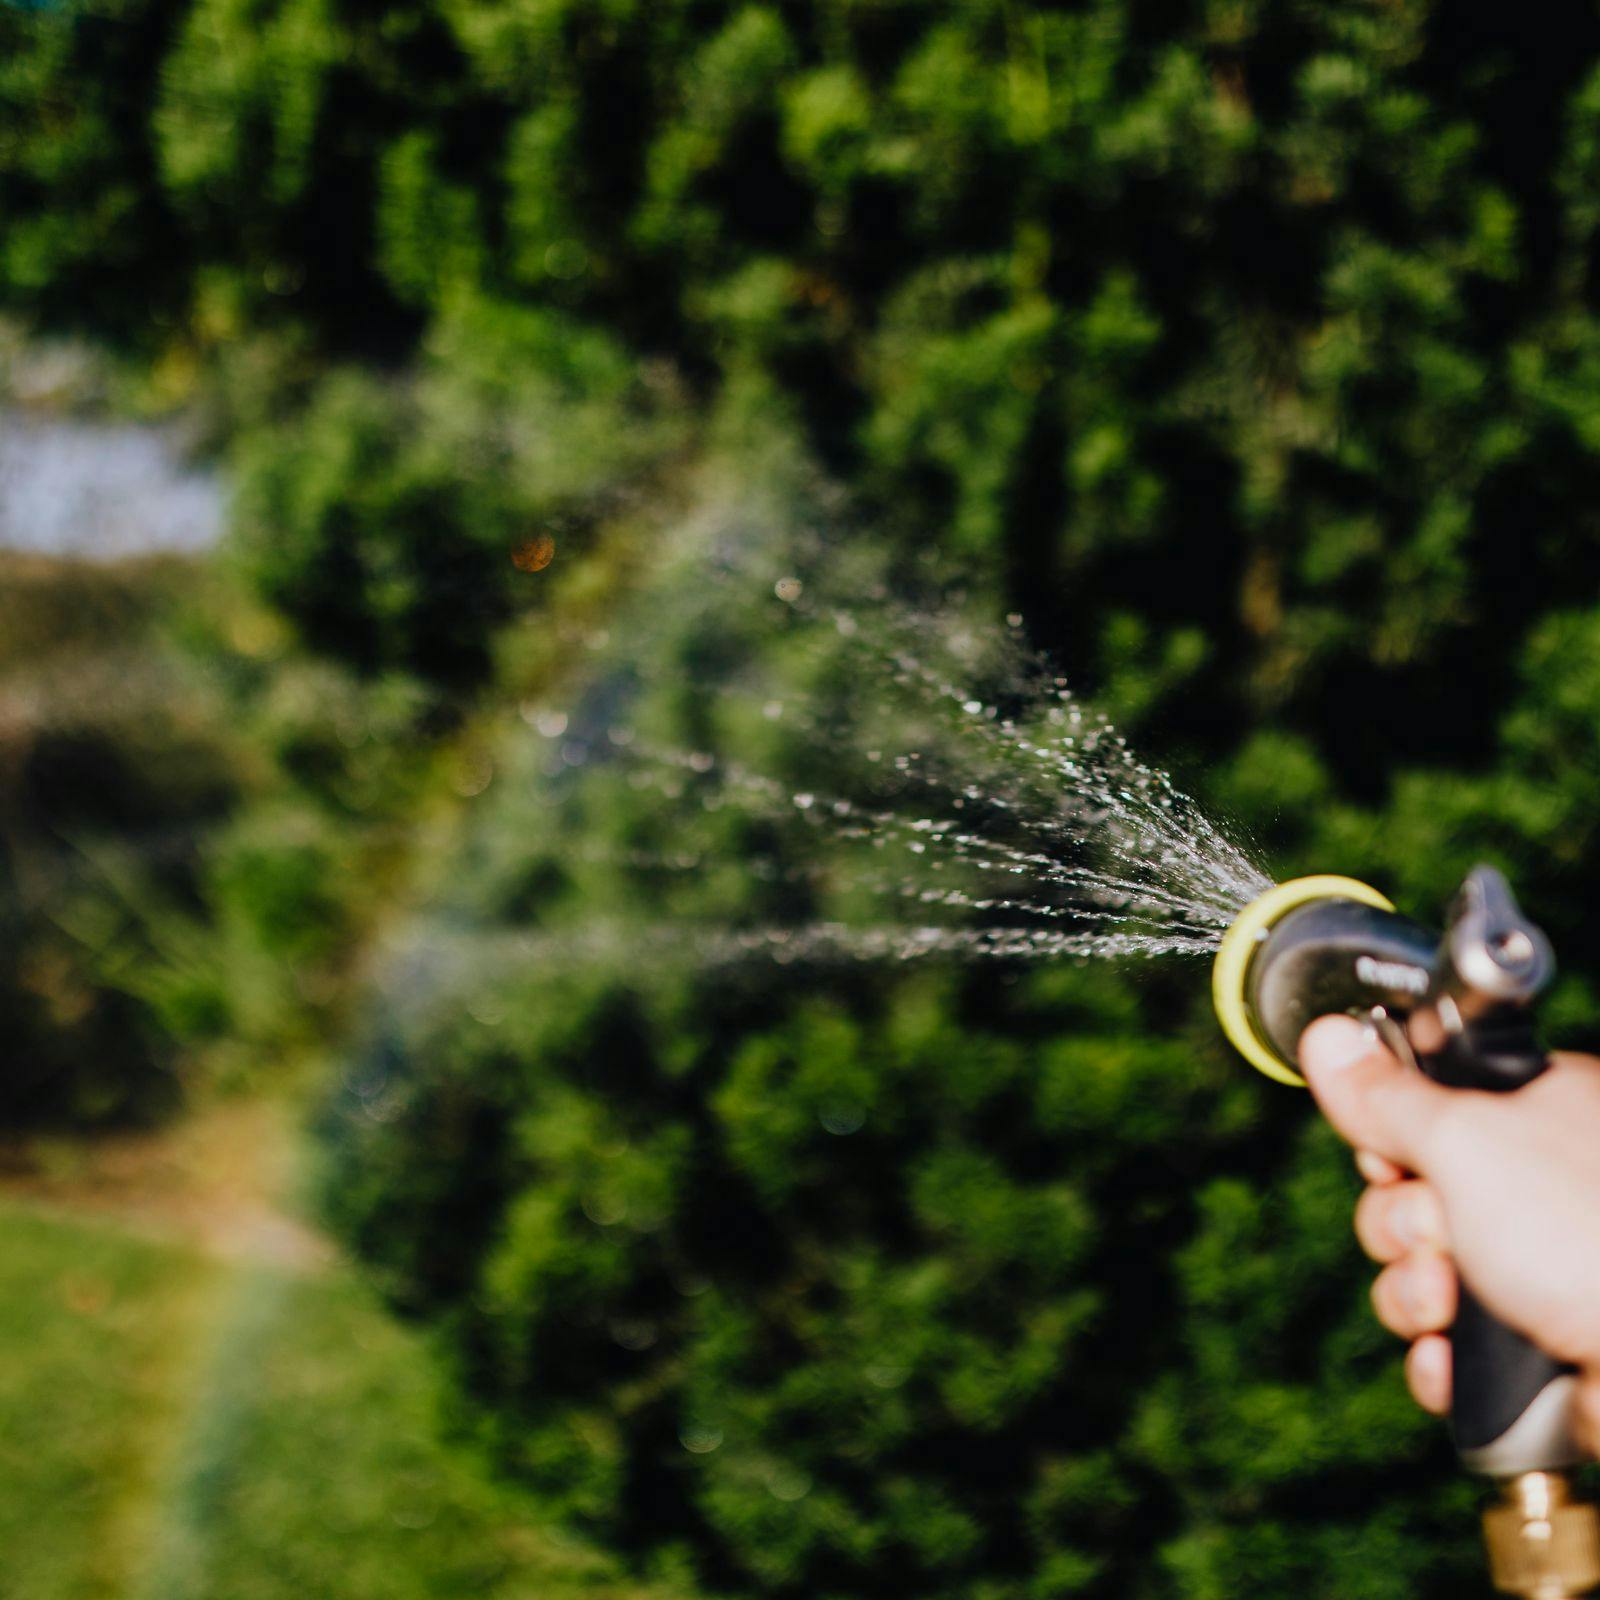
x=1543 y=1544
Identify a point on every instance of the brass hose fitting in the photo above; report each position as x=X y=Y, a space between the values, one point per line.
x=1543 y=1544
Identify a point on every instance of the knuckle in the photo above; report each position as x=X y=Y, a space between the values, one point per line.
x=1416 y=1220
x=1373 y=1225
x=1416 y=1295
x=1377 y=1170
x=1387 y=1303
x=1441 y=1291
x=1429 y=1220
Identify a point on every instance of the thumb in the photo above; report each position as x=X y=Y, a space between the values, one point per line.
x=1375 y=1101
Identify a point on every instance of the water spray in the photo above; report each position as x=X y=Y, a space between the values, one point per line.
x=1458 y=1007
x=965 y=779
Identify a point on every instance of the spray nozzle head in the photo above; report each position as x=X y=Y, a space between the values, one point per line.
x=1236 y=963
x=1318 y=945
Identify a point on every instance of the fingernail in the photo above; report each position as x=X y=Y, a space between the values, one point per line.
x=1335 y=1042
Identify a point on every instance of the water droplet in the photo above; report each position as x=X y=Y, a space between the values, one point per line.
x=603 y=1208
x=788 y=1483
x=842 y=1119
x=633 y=1333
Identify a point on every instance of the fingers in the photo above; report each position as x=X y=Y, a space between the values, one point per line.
x=1376 y=1103
x=1428 y=1369
x=1375 y=1169
x=1416 y=1296
x=1394 y=1221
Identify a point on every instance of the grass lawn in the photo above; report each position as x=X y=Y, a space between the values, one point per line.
x=93 y=1333
x=179 y=1426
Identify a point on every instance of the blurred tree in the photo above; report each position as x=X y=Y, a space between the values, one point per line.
x=1266 y=322
x=113 y=767
x=89 y=238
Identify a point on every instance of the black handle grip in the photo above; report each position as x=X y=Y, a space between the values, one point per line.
x=1511 y=1403
x=1500 y=1378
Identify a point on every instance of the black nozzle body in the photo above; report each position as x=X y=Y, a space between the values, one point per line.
x=1336 y=956
x=1466 y=995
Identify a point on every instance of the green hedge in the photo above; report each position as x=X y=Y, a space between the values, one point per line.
x=1269 y=322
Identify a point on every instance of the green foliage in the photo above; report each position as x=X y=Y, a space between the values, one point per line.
x=794 y=1292
x=89 y=237
x=386 y=520
x=246 y=972
x=1251 y=351
x=115 y=766
x=1294 y=304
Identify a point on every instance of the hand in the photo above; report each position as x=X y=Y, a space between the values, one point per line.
x=1505 y=1186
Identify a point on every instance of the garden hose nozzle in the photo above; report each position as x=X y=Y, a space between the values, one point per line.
x=1459 y=1007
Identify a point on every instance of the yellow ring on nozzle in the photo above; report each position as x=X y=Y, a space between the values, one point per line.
x=1239 y=943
